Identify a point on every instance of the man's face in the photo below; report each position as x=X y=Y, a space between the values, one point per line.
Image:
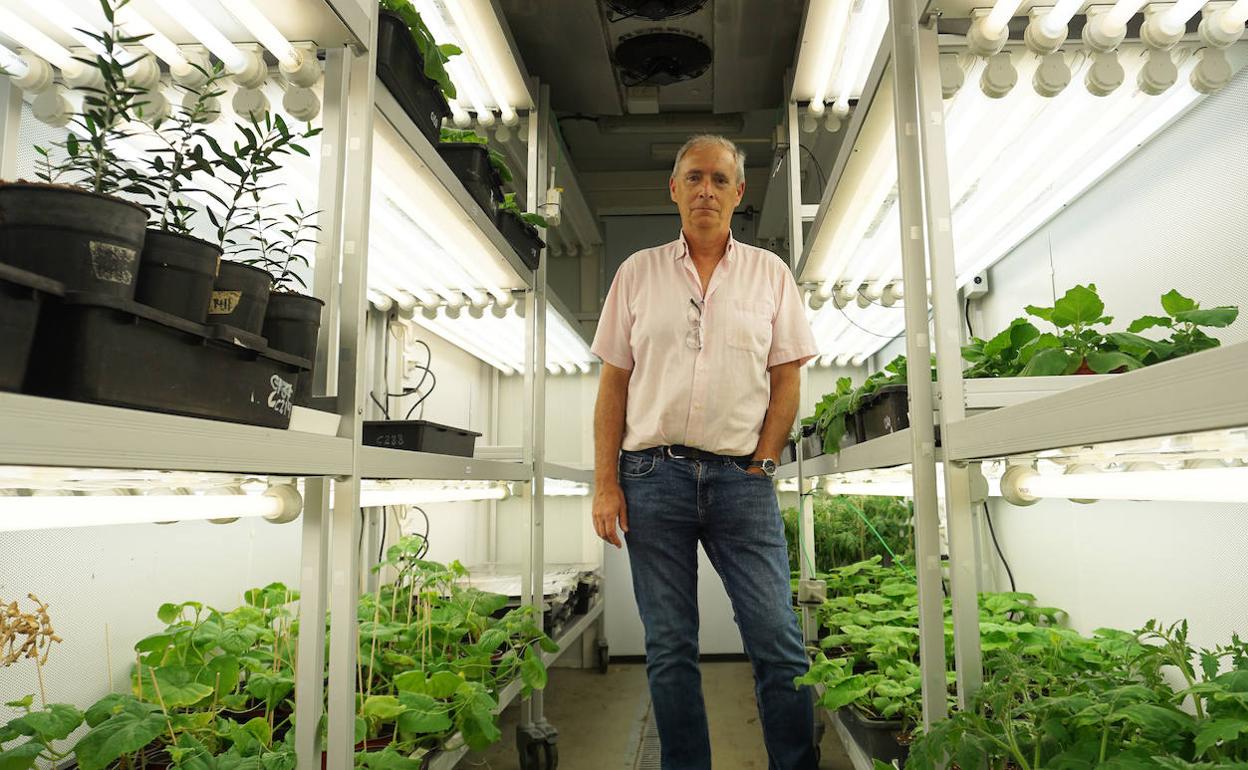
x=706 y=189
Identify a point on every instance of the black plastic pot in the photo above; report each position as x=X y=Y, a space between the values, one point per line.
x=812 y=446
x=107 y=350
x=470 y=163
x=240 y=296
x=401 y=69
x=883 y=412
x=788 y=453
x=22 y=293
x=177 y=274
x=291 y=324
x=878 y=738
x=523 y=238
x=420 y=436
x=85 y=241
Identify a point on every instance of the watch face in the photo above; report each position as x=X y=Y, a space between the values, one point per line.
x=769 y=467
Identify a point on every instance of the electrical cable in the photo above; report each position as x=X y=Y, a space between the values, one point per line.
x=841 y=310
x=877 y=303
x=384 y=410
x=381 y=546
x=420 y=402
x=424 y=546
x=966 y=311
x=993 y=532
x=823 y=178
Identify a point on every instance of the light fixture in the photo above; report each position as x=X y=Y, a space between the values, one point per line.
x=52 y=108
x=265 y=33
x=399 y=494
x=561 y=488
x=1106 y=28
x=280 y=503
x=868 y=26
x=471 y=31
x=1023 y=485
x=1053 y=24
x=250 y=103
x=989 y=29
x=301 y=103
x=247 y=66
x=467 y=85
x=40 y=44
x=77 y=27
x=156 y=42
x=28 y=72
x=1223 y=27
x=823 y=42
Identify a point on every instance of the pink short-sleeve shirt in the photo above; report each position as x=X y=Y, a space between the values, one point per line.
x=714 y=398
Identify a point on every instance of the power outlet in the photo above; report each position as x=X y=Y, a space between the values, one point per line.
x=812 y=592
x=978 y=287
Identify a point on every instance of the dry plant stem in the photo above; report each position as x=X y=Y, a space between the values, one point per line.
x=108 y=657
x=43 y=693
x=173 y=738
x=372 y=653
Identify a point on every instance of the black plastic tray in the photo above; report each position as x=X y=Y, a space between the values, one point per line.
x=420 y=436
x=885 y=411
x=878 y=738
x=523 y=238
x=107 y=350
x=470 y=162
x=22 y=293
x=401 y=69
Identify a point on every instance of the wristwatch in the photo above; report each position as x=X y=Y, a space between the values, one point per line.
x=767 y=464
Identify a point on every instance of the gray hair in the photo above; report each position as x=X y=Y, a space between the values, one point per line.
x=702 y=140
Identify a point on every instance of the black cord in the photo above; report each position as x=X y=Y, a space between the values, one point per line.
x=868 y=331
x=993 y=532
x=381 y=547
x=823 y=178
x=420 y=402
x=966 y=311
x=384 y=410
x=424 y=548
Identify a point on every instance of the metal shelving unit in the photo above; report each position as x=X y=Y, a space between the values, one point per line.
x=378 y=463
x=569 y=473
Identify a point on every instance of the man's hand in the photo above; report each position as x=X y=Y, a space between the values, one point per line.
x=755 y=470
x=610 y=510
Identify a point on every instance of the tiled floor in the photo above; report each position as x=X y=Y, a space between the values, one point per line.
x=598 y=717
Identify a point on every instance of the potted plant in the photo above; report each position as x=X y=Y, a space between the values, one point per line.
x=241 y=291
x=482 y=170
x=71 y=226
x=292 y=319
x=520 y=230
x=178 y=268
x=412 y=66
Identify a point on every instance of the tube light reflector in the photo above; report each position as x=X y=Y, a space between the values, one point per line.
x=12 y=64
x=266 y=34
x=19 y=514
x=40 y=44
x=202 y=30
x=1204 y=485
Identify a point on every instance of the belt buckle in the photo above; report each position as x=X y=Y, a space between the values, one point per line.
x=675 y=456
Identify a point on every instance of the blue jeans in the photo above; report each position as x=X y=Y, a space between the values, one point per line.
x=674 y=503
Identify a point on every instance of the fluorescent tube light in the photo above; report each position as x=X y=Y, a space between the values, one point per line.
x=40 y=44
x=1174 y=20
x=823 y=42
x=265 y=33
x=12 y=64
x=202 y=30
x=77 y=27
x=1023 y=486
x=1059 y=16
x=560 y=488
x=459 y=67
x=279 y=503
x=483 y=56
x=154 y=41
x=999 y=17
x=868 y=28
x=378 y=497
x=1122 y=12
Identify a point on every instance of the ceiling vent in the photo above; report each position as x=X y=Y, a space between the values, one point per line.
x=655 y=10
x=661 y=58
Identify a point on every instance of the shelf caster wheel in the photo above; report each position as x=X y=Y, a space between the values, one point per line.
x=538 y=747
x=604 y=656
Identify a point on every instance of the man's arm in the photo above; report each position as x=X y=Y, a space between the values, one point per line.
x=786 y=381
x=609 y=506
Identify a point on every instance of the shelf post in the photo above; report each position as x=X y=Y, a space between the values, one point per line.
x=355 y=180
x=10 y=124
x=904 y=26
x=948 y=331
x=313 y=593
x=539 y=159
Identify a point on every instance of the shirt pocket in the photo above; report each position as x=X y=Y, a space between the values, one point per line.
x=749 y=325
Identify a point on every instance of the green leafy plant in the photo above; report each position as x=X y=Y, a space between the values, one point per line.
x=434 y=56
x=173 y=167
x=509 y=205
x=247 y=166
x=833 y=411
x=1185 y=319
x=472 y=137
x=851 y=529
x=279 y=243
x=90 y=157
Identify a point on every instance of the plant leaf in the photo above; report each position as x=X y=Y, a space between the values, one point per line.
x=1212 y=732
x=1047 y=363
x=1148 y=322
x=135 y=726
x=1103 y=363
x=1080 y=305
x=1214 y=316
x=1174 y=303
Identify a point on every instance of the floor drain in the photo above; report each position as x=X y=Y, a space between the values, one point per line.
x=649 y=756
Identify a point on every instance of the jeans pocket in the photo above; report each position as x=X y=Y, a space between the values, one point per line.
x=742 y=468
x=637 y=465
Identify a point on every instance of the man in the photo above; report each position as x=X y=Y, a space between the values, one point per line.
x=701 y=341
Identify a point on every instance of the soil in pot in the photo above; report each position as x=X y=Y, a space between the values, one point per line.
x=291 y=324
x=177 y=274
x=88 y=242
x=240 y=296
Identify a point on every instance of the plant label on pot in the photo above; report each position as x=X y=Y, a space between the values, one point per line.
x=224 y=302
x=282 y=397
x=112 y=263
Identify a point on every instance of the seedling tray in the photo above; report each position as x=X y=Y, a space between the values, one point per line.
x=883 y=412
x=22 y=293
x=107 y=350
x=878 y=738
x=402 y=70
x=420 y=436
x=470 y=162
x=523 y=238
